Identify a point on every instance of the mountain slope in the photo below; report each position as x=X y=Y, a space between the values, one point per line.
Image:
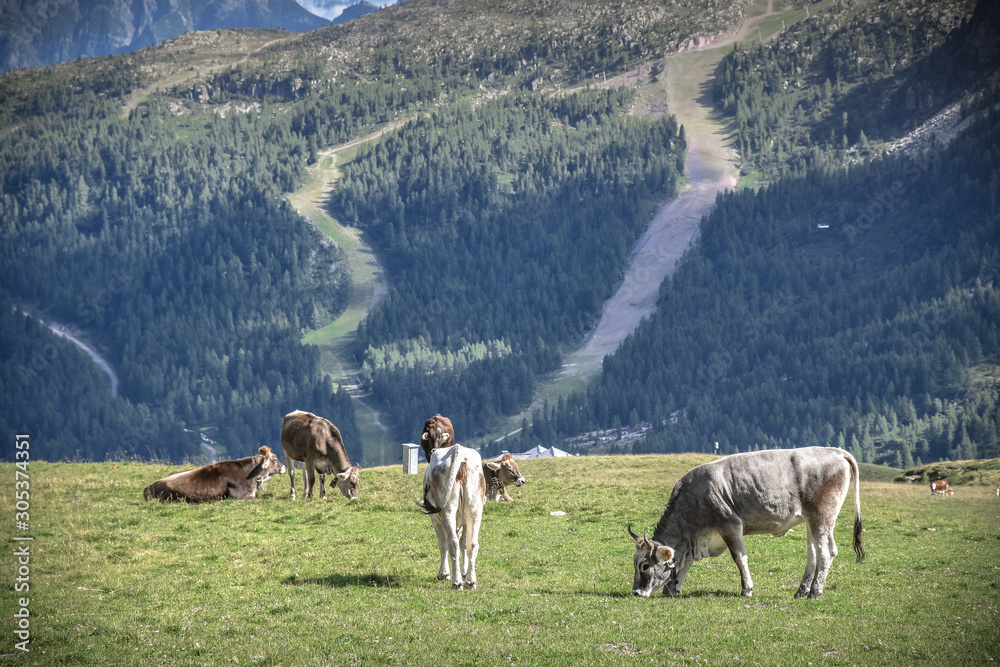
x=36 y=33
x=142 y=200
x=354 y=11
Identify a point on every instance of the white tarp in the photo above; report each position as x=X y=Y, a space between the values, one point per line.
x=540 y=452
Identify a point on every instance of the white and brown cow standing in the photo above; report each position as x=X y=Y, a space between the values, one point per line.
x=939 y=487
x=438 y=432
x=998 y=491
x=498 y=479
x=454 y=495
x=768 y=492
x=317 y=443
x=237 y=479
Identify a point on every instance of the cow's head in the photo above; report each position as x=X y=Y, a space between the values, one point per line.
x=507 y=470
x=267 y=466
x=347 y=482
x=438 y=432
x=654 y=567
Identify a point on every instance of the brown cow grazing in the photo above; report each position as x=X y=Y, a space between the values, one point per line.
x=998 y=491
x=237 y=479
x=768 y=492
x=498 y=479
x=317 y=443
x=438 y=432
x=939 y=487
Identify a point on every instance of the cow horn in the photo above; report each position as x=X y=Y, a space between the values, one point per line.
x=634 y=536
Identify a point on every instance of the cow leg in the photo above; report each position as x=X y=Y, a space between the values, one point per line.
x=739 y=553
x=810 y=575
x=290 y=464
x=826 y=551
x=454 y=552
x=442 y=538
x=470 y=547
x=322 y=485
x=463 y=550
x=309 y=475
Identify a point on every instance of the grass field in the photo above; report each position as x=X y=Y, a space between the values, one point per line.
x=118 y=581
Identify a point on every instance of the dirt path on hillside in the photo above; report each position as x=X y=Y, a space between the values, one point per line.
x=369 y=288
x=140 y=95
x=682 y=89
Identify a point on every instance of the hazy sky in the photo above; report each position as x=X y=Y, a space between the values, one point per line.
x=331 y=9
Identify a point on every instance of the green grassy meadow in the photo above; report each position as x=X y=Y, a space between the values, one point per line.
x=115 y=580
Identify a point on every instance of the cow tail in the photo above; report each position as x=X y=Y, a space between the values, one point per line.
x=426 y=502
x=859 y=549
x=428 y=505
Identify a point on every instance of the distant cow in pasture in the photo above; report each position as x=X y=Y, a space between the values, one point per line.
x=768 y=492
x=239 y=479
x=939 y=487
x=438 y=432
x=998 y=491
x=499 y=478
x=948 y=493
x=454 y=495
x=317 y=443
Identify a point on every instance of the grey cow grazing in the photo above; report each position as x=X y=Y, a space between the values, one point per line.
x=768 y=492
x=317 y=443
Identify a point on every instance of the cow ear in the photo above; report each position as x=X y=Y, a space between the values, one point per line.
x=424 y=436
x=344 y=475
x=445 y=436
x=493 y=465
x=664 y=554
x=256 y=471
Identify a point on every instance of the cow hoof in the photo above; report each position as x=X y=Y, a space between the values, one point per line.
x=471 y=586
x=748 y=593
x=293 y=496
x=443 y=576
x=456 y=587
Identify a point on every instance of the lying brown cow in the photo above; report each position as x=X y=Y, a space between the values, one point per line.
x=317 y=443
x=237 y=479
x=438 y=432
x=498 y=479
